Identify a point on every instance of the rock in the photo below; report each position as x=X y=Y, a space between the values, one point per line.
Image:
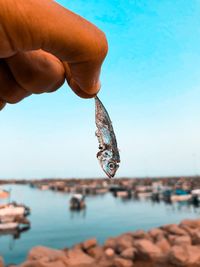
x=163 y=244
x=111 y=243
x=96 y=252
x=128 y=253
x=159 y=237
x=109 y=252
x=118 y=262
x=105 y=262
x=178 y=256
x=77 y=258
x=190 y=231
x=196 y=237
x=40 y=252
x=154 y=233
x=190 y=223
x=194 y=256
x=182 y=240
x=42 y=263
x=1 y=262
x=185 y=256
x=89 y=243
x=140 y=234
x=171 y=239
x=147 y=250
x=124 y=242
x=174 y=229
x=77 y=246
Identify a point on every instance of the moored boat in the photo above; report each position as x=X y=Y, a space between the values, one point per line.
x=8 y=226
x=13 y=209
x=77 y=202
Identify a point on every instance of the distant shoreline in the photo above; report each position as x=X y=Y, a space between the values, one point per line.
x=45 y=180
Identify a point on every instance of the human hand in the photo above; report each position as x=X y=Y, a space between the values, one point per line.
x=41 y=45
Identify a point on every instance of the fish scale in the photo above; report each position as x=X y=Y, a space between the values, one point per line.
x=108 y=154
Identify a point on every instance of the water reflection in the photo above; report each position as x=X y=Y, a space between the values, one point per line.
x=54 y=224
x=15 y=233
x=77 y=214
x=184 y=207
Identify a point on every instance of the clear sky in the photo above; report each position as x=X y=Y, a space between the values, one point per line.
x=150 y=86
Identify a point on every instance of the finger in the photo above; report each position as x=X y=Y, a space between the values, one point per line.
x=2 y=104
x=37 y=71
x=10 y=91
x=35 y=24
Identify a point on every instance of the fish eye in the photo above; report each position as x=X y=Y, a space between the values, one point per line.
x=111 y=165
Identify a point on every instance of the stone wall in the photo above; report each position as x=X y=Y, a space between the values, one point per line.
x=166 y=246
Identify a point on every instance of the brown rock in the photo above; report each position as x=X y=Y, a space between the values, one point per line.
x=89 y=243
x=128 y=253
x=178 y=256
x=190 y=231
x=96 y=252
x=191 y=223
x=154 y=233
x=40 y=252
x=105 y=262
x=118 y=262
x=163 y=244
x=124 y=242
x=196 y=237
x=77 y=258
x=174 y=229
x=182 y=240
x=42 y=263
x=76 y=246
x=109 y=252
x=159 y=237
x=140 y=234
x=1 y=262
x=186 y=256
x=171 y=239
x=111 y=243
x=147 y=250
x=194 y=256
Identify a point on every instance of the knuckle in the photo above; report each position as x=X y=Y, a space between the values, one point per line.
x=15 y=96
x=13 y=99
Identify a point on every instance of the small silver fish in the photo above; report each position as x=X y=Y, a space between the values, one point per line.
x=108 y=154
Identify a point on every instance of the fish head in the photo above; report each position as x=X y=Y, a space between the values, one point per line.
x=108 y=164
x=110 y=168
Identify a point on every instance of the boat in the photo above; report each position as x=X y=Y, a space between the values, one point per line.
x=8 y=226
x=16 y=224
x=195 y=196
x=13 y=209
x=123 y=194
x=181 y=195
x=77 y=202
x=176 y=198
x=4 y=194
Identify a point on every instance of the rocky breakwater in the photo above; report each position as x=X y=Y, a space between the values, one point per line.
x=166 y=246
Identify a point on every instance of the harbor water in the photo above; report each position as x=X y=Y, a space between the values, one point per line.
x=54 y=225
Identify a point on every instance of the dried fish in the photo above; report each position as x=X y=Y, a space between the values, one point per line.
x=108 y=154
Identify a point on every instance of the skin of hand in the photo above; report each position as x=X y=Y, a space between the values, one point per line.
x=41 y=45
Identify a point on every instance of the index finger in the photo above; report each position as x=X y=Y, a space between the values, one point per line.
x=35 y=24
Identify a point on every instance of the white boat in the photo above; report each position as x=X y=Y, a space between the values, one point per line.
x=176 y=198
x=8 y=226
x=11 y=210
x=196 y=192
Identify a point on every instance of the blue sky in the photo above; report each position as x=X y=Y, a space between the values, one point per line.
x=150 y=86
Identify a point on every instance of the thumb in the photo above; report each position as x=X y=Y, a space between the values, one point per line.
x=35 y=24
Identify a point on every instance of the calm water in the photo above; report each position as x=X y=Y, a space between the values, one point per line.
x=53 y=225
